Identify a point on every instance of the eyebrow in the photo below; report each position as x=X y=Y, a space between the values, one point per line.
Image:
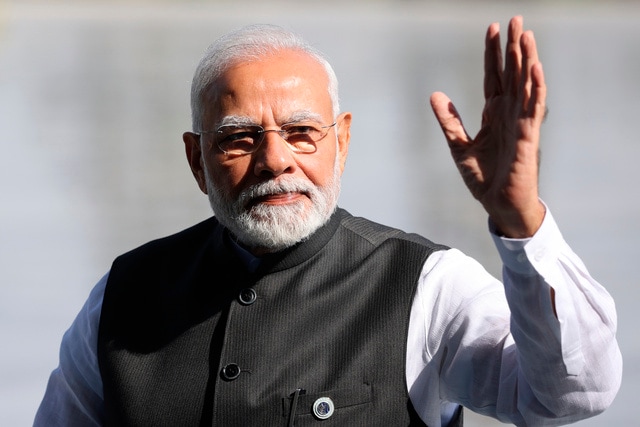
x=304 y=115
x=236 y=121
x=295 y=117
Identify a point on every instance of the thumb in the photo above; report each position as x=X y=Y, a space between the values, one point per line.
x=449 y=119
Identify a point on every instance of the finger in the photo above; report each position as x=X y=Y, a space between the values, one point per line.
x=538 y=101
x=449 y=119
x=513 y=58
x=492 y=62
x=529 y=60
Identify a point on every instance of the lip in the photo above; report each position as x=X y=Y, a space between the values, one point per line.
x=277 y=199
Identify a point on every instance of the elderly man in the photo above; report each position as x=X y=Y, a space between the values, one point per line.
x=285 y=310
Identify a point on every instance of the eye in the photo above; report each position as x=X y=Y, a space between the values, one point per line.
x=234 y=133
x=299 y=129
x=300 y=132
x=233 y=139
x=301 y=137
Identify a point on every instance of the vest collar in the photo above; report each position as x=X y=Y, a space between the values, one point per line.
x=289 y=257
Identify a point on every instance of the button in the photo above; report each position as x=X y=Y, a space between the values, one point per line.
x=323 y=408
x=247 y=296
x=230 y=372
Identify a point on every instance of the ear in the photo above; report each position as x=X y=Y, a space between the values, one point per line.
x=195 y=159
x=344 y=137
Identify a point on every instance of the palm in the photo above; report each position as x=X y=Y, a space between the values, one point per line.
x=500 y=164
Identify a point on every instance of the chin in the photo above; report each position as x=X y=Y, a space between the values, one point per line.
x=277 y=227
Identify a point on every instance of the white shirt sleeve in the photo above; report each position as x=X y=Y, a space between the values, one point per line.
x=74 y=396
x=501 y=350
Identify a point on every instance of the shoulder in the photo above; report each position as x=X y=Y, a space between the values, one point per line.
x=174 y=245
x=161 y=260
x=377 y=234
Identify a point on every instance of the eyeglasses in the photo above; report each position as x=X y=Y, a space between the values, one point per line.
x=237 y=140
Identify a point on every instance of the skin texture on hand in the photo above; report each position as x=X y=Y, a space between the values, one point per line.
x=500 y=164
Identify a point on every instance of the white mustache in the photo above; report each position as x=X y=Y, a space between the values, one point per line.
x=283 y=185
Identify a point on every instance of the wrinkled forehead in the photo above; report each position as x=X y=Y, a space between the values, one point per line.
x=282 y=84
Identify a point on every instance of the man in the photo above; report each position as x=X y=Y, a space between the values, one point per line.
x=284 y=310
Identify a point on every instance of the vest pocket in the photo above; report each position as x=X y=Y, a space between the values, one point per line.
x=336 y=405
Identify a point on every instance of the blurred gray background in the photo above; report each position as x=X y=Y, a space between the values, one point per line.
x=94 y=99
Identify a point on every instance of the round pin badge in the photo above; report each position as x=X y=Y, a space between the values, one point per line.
x=323 y=408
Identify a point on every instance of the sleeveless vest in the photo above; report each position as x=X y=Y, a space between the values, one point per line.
x=317 y=335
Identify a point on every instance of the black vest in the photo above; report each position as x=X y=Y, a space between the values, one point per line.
x=188 y=337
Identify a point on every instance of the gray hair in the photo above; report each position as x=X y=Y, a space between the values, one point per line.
x=248 y=44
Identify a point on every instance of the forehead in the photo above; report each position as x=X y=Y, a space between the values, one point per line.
x=273 y=86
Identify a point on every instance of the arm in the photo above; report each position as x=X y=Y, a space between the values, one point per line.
x=554 y=359
x=566 y=353
x=74 y=392
x=513 y=358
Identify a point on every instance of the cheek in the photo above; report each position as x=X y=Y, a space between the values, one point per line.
x=229 y=177
x=321 y=169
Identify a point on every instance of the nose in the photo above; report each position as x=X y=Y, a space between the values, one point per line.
x=273 y=157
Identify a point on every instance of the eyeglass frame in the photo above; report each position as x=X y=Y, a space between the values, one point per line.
x=262 y=131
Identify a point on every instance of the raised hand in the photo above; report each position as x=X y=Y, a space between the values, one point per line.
x=500 y=164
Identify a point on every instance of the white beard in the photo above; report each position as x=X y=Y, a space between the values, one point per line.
x=273 y=228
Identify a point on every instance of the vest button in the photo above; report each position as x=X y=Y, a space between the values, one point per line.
x=247 y=296
x=230 y=372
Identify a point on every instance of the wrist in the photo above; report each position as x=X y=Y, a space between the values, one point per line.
x=519 y=224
